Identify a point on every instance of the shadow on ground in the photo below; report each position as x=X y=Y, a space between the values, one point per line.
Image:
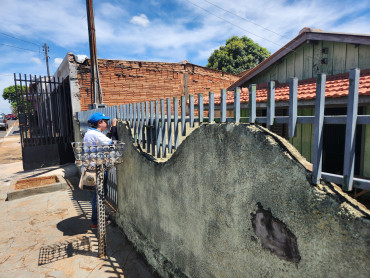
x=122 y=258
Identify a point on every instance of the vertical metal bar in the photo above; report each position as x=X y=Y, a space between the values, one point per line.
x=41 y=114
x=139 y=122
x=183 y=115
x=270 y=103
x=135 y=121
x=25 y=126
x=211 y=107
x=142 y=126
x=293 y=93
x=18 y=105
x=50 y=109
x=163 y=128
x=200 y=108
x=252 y=103
x=147 y=129
x=30 y=118
x=152 y=128
x=191 y=110
x=157 y=129
x=44 y=112
x=318 y=128
x=349 y=151
x=169 y=126
x=131 y=114
x=223 y=105
x=176 y=121
x=35 y=111
x=237 y=105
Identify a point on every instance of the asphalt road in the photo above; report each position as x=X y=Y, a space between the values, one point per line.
x=12 y=129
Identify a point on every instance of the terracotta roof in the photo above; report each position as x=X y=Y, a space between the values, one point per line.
x=336 y=87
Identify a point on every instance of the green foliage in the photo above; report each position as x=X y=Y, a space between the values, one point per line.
x=238 y=55
x=9 y=93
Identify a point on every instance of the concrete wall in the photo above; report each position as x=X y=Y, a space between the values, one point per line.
x=233 y=202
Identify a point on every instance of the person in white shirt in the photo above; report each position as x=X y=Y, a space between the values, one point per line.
x=99 y=123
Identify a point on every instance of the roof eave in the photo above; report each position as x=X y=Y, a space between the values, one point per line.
x=297 y=41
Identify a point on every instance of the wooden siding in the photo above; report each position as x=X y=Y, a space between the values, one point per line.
x=316 y=57
x=366 y=152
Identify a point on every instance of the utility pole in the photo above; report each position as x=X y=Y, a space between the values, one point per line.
x=96 y=94
x=46 y=48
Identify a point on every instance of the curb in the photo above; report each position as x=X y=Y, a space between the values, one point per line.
x=22 y=193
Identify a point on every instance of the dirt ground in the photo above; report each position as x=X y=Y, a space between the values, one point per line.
x=10 y=149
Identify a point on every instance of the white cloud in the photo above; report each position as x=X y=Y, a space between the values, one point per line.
x=57 y=62
x=140 y=20
x=36 y=60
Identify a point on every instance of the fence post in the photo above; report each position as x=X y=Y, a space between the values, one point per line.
x=191 y=110
x=252 y=103
x=183 y=115
x=318 y=128
x=223 y=105
x=152 y=128
x=157 y=130
x=211 y=107
x=147 y=129
x=176 y=121
x=131 y=115
x=237 y=105
x=139 y=122
x=270 y=103
x=200 y=108
x=163 y=128
x=135 y=122
x=169 y=126
x=293 y=91
x=349 y=151
x=142 y=126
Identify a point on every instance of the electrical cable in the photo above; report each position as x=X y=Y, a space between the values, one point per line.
x=19 y=39
x=239 y=26
x=249 y=20
x=9 y=45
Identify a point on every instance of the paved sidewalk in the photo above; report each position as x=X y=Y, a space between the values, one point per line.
x=48 y=235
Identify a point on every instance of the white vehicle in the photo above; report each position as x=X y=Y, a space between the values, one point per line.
x=3 y=122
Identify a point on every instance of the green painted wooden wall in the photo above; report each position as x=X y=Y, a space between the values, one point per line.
x=307 y=61
x=366 y=165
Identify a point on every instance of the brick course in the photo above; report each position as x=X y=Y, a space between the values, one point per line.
x=137 y=81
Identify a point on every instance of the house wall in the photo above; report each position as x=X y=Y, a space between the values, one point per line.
x=233 y=202
x=306 y=61
x=135 y=81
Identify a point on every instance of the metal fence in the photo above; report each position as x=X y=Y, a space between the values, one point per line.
x=156 y=128
x=44 y=109
x=156 y=124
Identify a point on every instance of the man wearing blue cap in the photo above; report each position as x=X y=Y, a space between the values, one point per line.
x=99 y=123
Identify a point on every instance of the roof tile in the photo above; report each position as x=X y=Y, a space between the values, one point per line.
x=336 y=86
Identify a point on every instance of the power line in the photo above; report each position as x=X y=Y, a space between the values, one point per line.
x=246 y=19
x=9 y=45
x=19 y=39
x=239 y=26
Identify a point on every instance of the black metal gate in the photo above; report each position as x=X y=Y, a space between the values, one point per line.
x=45 y=120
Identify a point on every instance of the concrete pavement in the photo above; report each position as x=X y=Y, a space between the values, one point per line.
x=49 y=235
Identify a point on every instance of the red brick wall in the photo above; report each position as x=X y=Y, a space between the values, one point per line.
x=135 y=81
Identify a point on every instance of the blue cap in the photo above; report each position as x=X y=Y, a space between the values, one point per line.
x=97 y=117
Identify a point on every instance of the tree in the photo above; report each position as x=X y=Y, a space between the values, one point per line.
x=9 y=93
x=238 y=55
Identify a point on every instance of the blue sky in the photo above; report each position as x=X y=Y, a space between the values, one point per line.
x=158 y=30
